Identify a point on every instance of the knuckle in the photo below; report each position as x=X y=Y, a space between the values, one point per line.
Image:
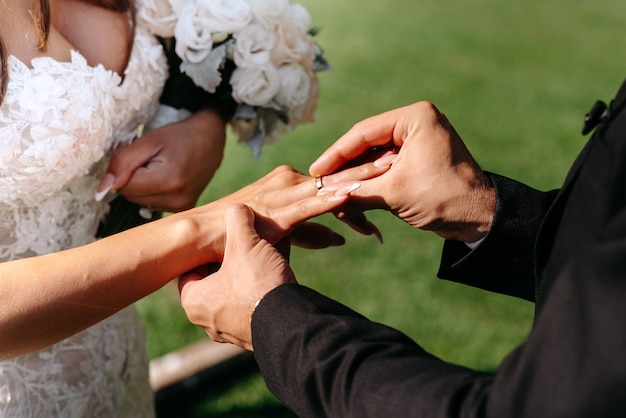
x=424 y=106
x=285 y=176
x=359 y=125
x=175 y=181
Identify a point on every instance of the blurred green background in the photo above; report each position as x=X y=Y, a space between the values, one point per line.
x=514 y=78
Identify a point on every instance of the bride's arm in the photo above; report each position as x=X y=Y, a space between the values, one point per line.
x=48 y=298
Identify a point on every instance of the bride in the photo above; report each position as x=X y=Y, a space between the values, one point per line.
x=78 y=78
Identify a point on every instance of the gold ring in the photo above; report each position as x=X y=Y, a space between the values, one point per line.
x=318 y=183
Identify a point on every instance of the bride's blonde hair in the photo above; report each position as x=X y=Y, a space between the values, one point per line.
x=41 y=20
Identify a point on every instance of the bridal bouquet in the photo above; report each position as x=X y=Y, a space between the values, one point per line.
x=256 y=57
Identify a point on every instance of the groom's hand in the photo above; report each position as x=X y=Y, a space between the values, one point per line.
x=433 y=182
x=223 y=302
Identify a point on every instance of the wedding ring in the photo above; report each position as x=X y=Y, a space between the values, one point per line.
x=318 y=183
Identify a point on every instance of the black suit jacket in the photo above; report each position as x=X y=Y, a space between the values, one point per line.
x=565 y=250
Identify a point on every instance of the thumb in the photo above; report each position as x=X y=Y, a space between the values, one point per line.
x=240 y=232
x=123 y=164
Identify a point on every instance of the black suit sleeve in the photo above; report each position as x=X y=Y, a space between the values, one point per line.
x=321 y=359
x=503 y=262
x=324 y=360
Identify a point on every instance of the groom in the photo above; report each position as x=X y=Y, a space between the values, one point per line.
x=565 y=250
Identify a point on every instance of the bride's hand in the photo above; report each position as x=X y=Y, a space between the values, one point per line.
x=169 y=167
x=283 y=200
x=370 y=164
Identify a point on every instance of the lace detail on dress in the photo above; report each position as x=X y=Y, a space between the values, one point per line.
x=101 y=372
x=59 y=122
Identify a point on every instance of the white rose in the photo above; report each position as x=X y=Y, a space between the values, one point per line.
x=158 y=16
x=295 y=84
x=299 y=16
x=268 y=12
x=193 y=39
x=203 y=22
x=253 y=46
x=292 y=46
x=306 y=112
x=255 y=86
x=177 y=5
x=229 y=16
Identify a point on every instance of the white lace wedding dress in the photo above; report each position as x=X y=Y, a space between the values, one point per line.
x=58 y=123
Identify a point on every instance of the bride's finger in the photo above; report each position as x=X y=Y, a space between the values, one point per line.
x=281 y=220
x=286 y=184
x=362 y=172
x=289 y=185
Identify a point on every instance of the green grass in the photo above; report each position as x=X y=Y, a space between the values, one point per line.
x=515 y=79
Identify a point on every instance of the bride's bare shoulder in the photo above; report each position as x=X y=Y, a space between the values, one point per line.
x=15 y=13
x=14 y=5
x=18 y=29
x=100 y=35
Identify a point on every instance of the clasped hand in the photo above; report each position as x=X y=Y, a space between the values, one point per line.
x=409 y=161
x=168 y=168
x=252 y=267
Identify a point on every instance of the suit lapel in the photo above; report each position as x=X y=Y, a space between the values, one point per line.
x=547 y=231
x=614 y=107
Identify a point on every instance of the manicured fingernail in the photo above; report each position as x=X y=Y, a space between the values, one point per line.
x=338 y=240
x=385 y=160
x=105 y=186
x=347 y=190
x=375 y=231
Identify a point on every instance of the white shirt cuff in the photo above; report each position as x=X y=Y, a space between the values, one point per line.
x=473 y=245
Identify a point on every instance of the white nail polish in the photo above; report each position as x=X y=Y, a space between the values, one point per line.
x=100 y=195
x=348 y=190
x=354 y=187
